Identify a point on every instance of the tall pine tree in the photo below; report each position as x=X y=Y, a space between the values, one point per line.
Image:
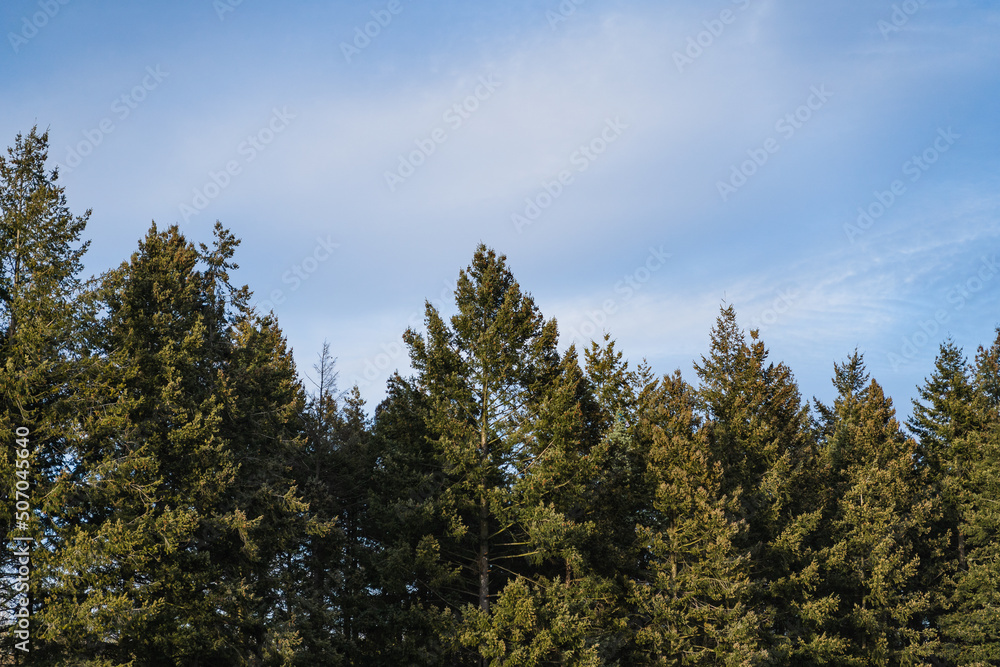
x=879 y=520
x=42 y=337
x=757 y=428
x=690 y=597
x=971 y=629
x=174 y=504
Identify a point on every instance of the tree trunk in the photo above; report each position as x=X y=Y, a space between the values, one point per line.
x=484 y=556
x=12 y=325
x=484 y=513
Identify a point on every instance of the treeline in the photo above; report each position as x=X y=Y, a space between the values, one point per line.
x=191 y=503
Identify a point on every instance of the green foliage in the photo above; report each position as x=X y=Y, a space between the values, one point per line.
x=880 y=518
x=971 y=472
x=43 y=328
x=482 y=375
x=506 y=505
x=689 y=598
x=758 y=430
x=544 y=622
x=174 y=503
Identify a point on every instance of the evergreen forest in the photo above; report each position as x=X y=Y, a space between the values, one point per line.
x=177 y=493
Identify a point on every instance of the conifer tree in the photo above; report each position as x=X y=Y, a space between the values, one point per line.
x=481 y=374
x=338 y=560
x=943 y=421
x=42 y=338
x=689 y=599
x=560 y=609
x=971 y=629
x=512 y=426
x=262 y=424
x=757 y=428
x=616 y=389
x=174 y=503
x=317 y=564
x=757 y=422
x=944 y=412
x=419 y=593
x=880 y=517
x=621 y=493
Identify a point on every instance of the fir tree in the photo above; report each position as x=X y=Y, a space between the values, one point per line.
x=944 y=412
x=512 y=426
x=419 y=592
x=42 y=336
x=174 y=503
x=480 y=375
x=757 y=428
x=943 y=419
x=880 y=518
x=620 y=493
x=337 y=564
x=572 y=617
x=971 y=629
x=690 y=597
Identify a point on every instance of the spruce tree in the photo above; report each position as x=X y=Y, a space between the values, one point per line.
x=173 y=506
x=560 y=608
x=317 y=563
x=42 y=344
x=943 y=421
x=758 y=429
x=879 y=521
x=620 y=493
x=689 y=599
x=512 y=426
x=944 y=411
x=262 y=424
x=480 y=374
x=419 y=593
x=338 y=562
x=971 y=629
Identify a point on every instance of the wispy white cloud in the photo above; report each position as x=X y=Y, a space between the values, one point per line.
x=657 y=184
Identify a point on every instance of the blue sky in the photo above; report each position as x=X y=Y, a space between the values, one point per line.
x=829 y=168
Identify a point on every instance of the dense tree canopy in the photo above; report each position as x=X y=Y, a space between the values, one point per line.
x=195 y=500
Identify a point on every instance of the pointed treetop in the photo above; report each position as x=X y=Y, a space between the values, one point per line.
x=850 y=377
x=38 y=234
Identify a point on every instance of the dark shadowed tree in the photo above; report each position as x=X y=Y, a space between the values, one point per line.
x=971 y=472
